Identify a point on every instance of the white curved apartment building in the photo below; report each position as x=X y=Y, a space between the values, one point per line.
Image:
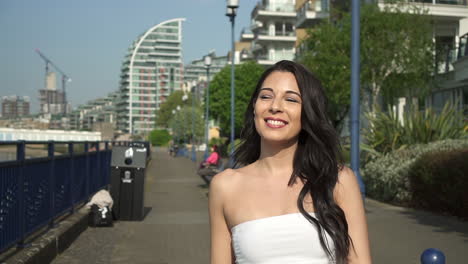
x=151 y=70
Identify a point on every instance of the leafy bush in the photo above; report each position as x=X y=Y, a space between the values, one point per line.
x=387 y=133
x=386 y=177
x=438 y=182
x=159 y=137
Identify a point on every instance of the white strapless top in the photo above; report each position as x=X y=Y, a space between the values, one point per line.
x=283 y=239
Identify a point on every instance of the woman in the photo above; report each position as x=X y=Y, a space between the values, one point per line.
x=293 y=201
x=208 y=168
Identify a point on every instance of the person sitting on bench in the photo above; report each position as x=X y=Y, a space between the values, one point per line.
x=208 y=168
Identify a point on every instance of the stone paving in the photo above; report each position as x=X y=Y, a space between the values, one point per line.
x=176 y=229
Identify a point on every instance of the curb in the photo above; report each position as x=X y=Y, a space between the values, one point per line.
x=47 y=246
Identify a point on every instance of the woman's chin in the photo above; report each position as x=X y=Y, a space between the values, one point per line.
x=278 y=140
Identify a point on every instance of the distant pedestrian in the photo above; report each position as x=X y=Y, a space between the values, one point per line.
x=208 y=167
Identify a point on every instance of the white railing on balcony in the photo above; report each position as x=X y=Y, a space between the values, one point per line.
x=275 y=7
x=442 y=2
x=277 y=33
x=277 y=56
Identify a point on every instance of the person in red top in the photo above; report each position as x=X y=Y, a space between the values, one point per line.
x=208 y=167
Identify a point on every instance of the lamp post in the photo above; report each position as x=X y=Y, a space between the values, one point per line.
x=174 y=131
x=176 y=124
x=231 y=10
x=355 y=105
x=192 y=89
x=184 y=99
x=207 y=113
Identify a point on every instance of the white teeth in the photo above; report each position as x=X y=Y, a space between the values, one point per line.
x=275 y=122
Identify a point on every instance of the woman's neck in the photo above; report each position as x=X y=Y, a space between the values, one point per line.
x=277 y=159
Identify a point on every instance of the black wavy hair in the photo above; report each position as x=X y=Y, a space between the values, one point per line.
x=317 y=159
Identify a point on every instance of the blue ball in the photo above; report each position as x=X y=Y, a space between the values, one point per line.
x=432 y=256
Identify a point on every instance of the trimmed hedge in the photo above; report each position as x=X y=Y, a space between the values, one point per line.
x=159 y=137
x=387 y=177
x=438 y=181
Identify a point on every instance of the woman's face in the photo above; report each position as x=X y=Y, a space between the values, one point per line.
x=278 y=108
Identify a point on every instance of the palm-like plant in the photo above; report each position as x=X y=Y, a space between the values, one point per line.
x=387 y=132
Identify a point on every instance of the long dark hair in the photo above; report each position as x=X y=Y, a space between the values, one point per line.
x=317 y=159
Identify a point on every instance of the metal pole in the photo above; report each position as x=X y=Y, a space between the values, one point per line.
x=194 y=155
x=355 y=69
x=231 y=159
x=207 y=113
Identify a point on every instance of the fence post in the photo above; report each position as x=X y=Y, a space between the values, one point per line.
x=107 y=161
x=71 y=174
x=20 y=157
x=50 y=154
x=87 y=174
x=99 y=172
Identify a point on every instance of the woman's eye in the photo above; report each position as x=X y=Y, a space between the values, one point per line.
x=264 y=96
x=292 y=100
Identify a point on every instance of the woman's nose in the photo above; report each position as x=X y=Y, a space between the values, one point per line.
x=276 y=105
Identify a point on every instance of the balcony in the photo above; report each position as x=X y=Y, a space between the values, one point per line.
x=442 y=2
x=265 y=59
x=283 y=36
x=311 y=12
x=273 y=10
x=246 y=35
x=439 y=9
x=455 y=60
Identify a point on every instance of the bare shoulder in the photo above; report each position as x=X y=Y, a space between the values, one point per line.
x=227 y=181
x=222 y=180
x=345 y=175
x=347 y=183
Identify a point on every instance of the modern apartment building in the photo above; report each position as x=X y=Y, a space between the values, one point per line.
x=95 y=112
x=273 y=24
x=15 y=106
x=196 y=73
x=151 y=70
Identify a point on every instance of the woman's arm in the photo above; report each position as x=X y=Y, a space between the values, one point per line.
x=348 y=197
x=221 y=250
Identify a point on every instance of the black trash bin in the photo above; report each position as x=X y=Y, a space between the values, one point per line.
x=128 y=166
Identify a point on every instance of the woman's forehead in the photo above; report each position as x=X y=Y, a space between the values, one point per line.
x=279 y=81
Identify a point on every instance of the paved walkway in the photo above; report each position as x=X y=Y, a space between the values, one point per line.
x=176 y=230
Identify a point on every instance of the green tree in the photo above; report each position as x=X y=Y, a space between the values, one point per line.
x=181 y=124
x=396 y=55
x=246 y=77
x=165 y=111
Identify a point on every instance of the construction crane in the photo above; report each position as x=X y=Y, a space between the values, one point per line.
x=65 y=77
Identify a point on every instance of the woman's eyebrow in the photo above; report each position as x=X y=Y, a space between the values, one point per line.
x=266 y=88
x=293 y=92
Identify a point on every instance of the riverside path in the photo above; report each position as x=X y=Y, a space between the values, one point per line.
x=176 y=230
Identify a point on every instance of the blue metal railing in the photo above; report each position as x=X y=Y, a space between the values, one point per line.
x=34 y=192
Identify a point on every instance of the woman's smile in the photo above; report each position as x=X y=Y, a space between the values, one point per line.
x=275 y=122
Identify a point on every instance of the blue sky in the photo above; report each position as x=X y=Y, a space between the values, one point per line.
x=88 y=39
